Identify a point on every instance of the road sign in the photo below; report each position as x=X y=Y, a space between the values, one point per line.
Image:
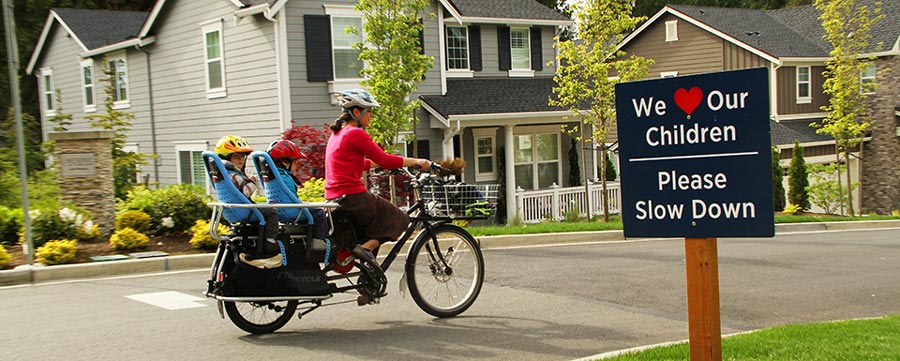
x=695 y=156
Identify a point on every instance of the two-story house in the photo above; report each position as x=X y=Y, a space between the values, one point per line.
x=193 y=71
x=687 y=40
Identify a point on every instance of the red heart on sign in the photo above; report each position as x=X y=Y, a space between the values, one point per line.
x=688 y=100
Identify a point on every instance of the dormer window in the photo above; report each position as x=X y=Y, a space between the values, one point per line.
x=671 y=30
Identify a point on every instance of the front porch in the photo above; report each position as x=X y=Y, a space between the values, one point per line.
x=553 y=204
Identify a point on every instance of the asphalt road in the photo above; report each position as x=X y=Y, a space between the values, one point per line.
x=538 y=303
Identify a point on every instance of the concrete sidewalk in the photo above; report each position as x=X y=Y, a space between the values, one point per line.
x=41 y=274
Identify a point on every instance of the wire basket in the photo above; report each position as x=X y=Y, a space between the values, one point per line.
x=461 y=201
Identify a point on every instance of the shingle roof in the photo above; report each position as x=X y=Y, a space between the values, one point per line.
x=787 y=131
x=506 y=9
x=486 y=96
x=257 y=2
x=790 y=32
x=98 y=28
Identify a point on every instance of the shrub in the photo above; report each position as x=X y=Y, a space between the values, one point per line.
x=312 y=190
x=792 y=209
x=183 y=203
x=128 y=239
x=134 y=219
x=65 y=223
x=10 y=223
x=895 y=213
x=825 y=191
x=57 y=252
x=4 y=257
x=200 y=235
x=312 y=142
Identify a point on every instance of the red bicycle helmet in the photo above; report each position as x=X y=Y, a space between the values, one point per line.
x=284 y=149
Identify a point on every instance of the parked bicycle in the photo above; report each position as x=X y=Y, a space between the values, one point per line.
x=443 y=270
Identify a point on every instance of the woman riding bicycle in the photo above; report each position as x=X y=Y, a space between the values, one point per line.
x=349 y=153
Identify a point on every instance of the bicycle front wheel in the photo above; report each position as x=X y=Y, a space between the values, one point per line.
x=445 y=273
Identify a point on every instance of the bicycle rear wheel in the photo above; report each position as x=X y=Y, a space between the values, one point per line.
x=444 y=278
x=260 y=317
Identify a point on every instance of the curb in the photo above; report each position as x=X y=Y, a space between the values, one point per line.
x=42 y=274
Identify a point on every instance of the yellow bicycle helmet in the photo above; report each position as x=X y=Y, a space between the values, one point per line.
x=230 y=144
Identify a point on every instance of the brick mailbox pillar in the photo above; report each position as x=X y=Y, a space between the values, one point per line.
x=86 y=174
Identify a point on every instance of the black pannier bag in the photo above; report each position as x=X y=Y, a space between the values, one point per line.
x=299 y=278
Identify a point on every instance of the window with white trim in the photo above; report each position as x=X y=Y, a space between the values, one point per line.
x=87 y=85
x=346 y=58
x=520 y=49
x=867 y=79
x=118 y=68
x=214 y=58
x=191 y=169
x=457 y=48
x=536 y=159
x=485 y=140
x=672 y=30
x=803 y=83
x=48 y=92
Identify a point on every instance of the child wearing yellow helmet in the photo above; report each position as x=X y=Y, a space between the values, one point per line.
x=234 y=151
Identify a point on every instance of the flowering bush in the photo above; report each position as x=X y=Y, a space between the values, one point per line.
x=134 y=219
x=128 y=238
x=312 y=143
x=57 y=252
x=200 y=235
x=4 y=257
x=66 y=223
x=182 y=204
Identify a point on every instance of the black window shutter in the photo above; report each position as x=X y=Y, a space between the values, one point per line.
x=318 y=48
x=503 y=45
x=537 y=61
x=422 y=36
x=475 y=48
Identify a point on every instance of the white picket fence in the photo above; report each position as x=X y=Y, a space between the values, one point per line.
x=537 y=206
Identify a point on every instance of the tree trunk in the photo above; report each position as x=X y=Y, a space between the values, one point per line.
x=837 y=154
x=849 y=184
x=603 y=197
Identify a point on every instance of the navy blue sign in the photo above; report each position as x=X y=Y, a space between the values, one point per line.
x=695 y=156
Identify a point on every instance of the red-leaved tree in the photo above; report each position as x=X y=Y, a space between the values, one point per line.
x=312 y=142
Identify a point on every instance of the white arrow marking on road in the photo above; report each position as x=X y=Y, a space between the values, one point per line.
x=169 y=300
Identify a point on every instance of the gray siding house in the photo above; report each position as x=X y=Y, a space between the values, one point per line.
x=686 y=40
x=193 y=71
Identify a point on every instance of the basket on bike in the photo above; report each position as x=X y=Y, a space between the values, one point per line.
x=461 y=201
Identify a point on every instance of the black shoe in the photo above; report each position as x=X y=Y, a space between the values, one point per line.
x=363 y=254
x=363 y=300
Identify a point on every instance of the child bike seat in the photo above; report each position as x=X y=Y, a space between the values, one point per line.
x=277 y=192
x=227 y=192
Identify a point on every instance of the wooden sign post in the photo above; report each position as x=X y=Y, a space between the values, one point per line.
x=696 y=162
x=702 y=270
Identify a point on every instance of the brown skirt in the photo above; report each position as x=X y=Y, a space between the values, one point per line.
x=379 y=218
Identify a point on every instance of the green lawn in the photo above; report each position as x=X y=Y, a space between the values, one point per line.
x=872 y=339
x=616 y=224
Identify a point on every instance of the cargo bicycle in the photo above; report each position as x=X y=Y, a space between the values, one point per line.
x=443 y=269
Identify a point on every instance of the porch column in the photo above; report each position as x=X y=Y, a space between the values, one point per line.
x=447 y=143
x=510 y=162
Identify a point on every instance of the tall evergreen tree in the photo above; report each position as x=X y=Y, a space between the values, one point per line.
x=574 y=167
x=777 y=179
x=798 y=179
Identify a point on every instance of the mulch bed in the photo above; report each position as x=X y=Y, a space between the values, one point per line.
x=173 y=244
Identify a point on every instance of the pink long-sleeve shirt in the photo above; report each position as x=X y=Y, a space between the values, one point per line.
x=348 y=154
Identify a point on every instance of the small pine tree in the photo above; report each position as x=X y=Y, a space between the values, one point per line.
x=574 y=168
x=797 y=179
x=610 y=169
x=777 y=180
